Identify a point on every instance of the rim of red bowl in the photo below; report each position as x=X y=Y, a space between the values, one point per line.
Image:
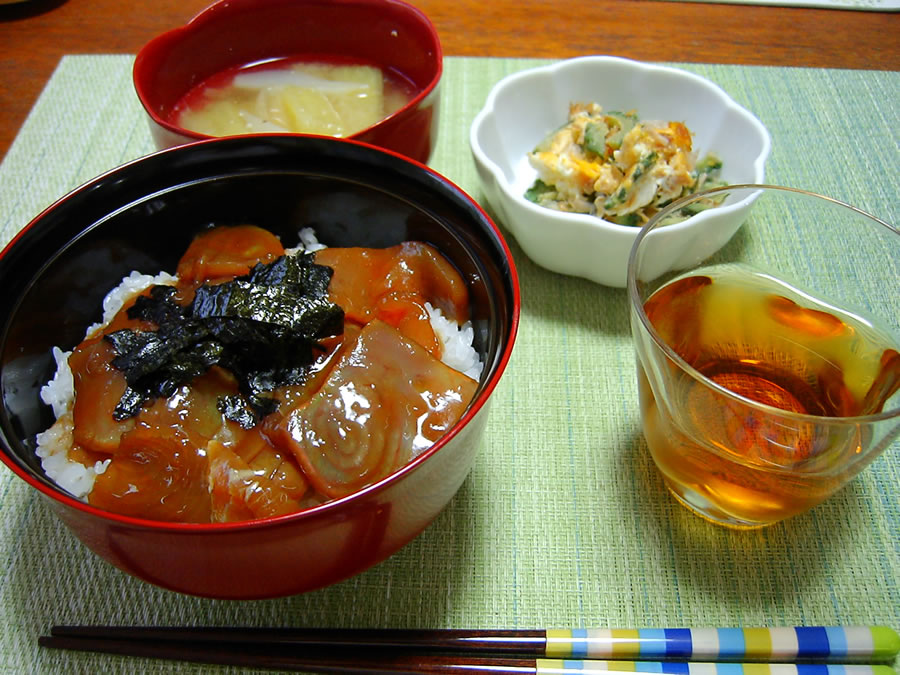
x=162 y=42
x=58 y=495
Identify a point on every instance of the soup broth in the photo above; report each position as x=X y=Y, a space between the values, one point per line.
x=324 y=98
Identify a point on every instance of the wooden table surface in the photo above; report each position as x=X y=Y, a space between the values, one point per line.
x=34 y=34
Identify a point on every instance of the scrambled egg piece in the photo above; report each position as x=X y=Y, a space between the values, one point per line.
x=613 y=166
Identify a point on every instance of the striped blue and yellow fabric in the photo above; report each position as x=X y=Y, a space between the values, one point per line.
x=572 y=666
x=785 y=644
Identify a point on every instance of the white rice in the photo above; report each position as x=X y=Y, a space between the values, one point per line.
x=130 y=286
x=59 y=392
x=53 y=445
x=458 y=351
x=308 y=240
x=53 y=449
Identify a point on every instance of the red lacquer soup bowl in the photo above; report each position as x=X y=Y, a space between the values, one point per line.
x=142 y=216
x=233 y=34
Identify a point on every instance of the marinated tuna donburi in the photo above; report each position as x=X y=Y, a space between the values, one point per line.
x=257 y=380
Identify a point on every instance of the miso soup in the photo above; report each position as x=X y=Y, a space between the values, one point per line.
x=329 y=99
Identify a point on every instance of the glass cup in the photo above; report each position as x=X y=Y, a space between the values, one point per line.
x=768 y=371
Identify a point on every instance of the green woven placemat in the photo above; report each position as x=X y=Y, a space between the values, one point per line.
x=564 y=520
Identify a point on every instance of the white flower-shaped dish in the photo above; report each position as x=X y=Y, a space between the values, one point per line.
x=524 y=107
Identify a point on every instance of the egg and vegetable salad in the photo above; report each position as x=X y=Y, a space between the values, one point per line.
x=612 y=165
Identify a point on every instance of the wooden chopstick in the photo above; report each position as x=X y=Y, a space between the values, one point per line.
x=860 y=644
x=521 y=642
x=280 y=657
x=381 y=660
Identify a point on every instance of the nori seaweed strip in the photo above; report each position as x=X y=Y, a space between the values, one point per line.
x=281 y=307
x=264 y=327
x=238 y=409
x=299 y=270
x=158 y=306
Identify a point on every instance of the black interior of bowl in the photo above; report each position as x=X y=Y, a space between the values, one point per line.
x=143 y=215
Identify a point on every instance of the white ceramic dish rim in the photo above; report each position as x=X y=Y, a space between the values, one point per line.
x=591 y=220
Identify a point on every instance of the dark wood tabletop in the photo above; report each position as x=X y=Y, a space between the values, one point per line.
x=34 y=34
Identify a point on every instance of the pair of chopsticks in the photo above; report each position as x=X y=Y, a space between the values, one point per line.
x=855 y=650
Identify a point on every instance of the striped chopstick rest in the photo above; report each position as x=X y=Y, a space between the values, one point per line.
x=845 y=643
x=576 y=667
